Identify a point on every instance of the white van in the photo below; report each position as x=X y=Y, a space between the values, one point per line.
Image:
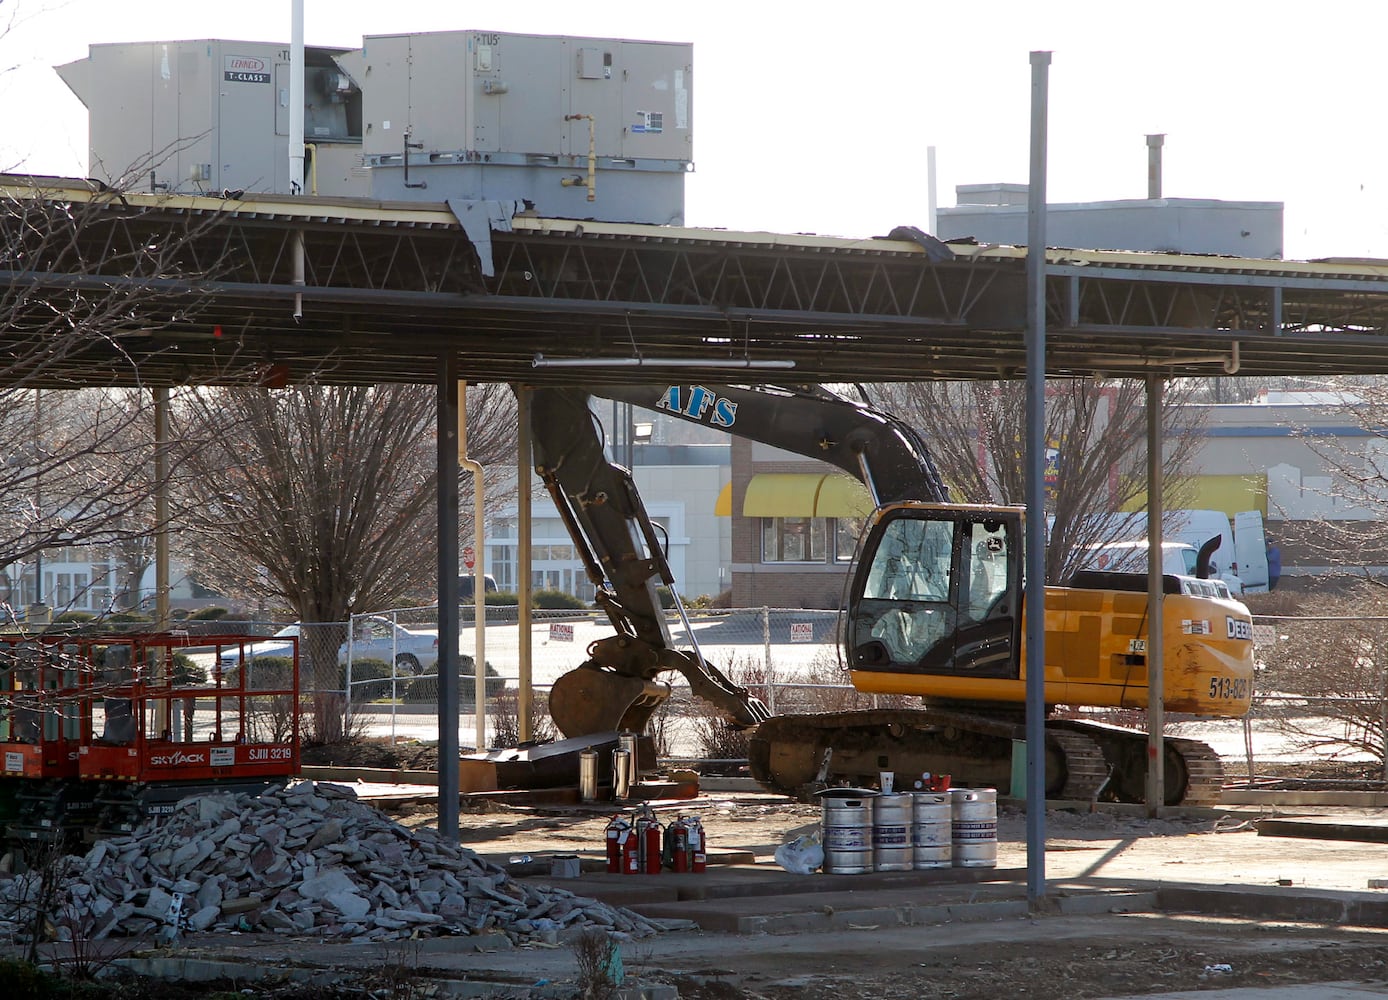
x=1177 y=558
x=1194 y=528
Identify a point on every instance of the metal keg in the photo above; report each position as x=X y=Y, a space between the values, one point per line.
x=847 y=834
x=891 y=833
x=621 y=774
x=588 y=775
x=974 y=827
x=931 y=830
x=627 y=742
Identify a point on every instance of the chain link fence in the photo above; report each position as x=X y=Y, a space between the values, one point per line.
x=1321 y=696
x=1321 y=690
x=781 y=654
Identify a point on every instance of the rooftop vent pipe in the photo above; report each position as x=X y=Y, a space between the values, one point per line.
x=1154 y=144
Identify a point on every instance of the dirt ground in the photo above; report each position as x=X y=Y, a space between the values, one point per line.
x=1112 y=954
x=1052 y=961
x=1107 y=955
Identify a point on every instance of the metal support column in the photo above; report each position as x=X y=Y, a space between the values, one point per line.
x=479 y=574
x=163 y=723
x=1156 y=675
x=1036 y=488
x=448 y=595
x=524 y=471
x=161 y=510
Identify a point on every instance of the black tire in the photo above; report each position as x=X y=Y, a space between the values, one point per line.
x=405 y=663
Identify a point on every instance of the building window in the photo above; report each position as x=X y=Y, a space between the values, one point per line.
x=847 y=531
x=792 y=539
x=502 y=566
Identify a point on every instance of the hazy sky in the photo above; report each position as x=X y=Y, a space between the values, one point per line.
x=815 y=116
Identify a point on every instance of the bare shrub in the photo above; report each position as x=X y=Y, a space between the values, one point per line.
x=37 y=898
x=661 y=729
x=825 y=687
x=271 y=718
x=79 y=952
x=1330 y=672
x=398 y=977
x=715 y=738
x=505 y=712
x=599 y=963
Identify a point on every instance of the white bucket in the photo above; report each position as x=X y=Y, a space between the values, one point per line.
x=974 y=827
x=847 y=835
x=932 y=830
x=891 y=833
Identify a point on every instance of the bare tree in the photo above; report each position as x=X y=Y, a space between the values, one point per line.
x=1350 y=490
x=74 y=463
x=1096 y=440
x=1329 y=669
x=322 y=500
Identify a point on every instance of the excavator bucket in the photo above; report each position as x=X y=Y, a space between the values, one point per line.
x=592 y=700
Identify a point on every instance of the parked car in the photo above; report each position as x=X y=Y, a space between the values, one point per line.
x=230 y=656
x=373 y=638
x=466 y=586
x=378 y=638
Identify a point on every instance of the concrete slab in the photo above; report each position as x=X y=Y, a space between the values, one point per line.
x=1289 y=798
x=1319 y=991
x=1359 y=909
x=1365 y=829
x=875 y=904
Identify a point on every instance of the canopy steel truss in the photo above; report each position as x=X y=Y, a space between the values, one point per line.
x=354 y=291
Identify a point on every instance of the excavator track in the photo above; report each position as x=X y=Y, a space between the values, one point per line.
x=1193 y=772
x=794 y=753
x=797 y=754
x=1204 y=771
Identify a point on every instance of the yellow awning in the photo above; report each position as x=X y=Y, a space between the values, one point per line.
x=790 y=494
x=842 y=496
x=723 y=506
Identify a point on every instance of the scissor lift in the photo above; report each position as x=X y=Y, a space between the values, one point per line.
x=156 y=733
x=41 y=691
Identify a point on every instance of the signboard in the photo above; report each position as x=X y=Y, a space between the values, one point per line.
x=802 y=631
x=561 y=633
x=14 y=761
x=469 y=556
x=223 y=756
x=245 y=69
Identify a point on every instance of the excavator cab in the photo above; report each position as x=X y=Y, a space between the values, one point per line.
x=938 y=591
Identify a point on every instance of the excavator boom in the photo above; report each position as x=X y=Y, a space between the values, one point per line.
x=935 y=609
x=616 y=688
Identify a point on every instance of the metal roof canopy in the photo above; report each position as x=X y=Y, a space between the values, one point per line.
x=390 y=288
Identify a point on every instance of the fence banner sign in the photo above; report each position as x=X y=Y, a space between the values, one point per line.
x=561 y=633
x=802 y=631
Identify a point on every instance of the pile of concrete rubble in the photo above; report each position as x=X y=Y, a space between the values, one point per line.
x=306 y=860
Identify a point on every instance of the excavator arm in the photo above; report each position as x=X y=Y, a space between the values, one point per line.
x=616 y=687
x=889 y=457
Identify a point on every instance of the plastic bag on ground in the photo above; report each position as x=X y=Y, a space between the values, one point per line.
x=802 y=855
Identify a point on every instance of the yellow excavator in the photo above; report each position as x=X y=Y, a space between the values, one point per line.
x=934 y=609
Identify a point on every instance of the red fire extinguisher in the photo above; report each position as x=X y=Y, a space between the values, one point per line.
x=648 y=834
x=614 y=833
x=631 y=852
x=677 y=841
x=698 y=850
